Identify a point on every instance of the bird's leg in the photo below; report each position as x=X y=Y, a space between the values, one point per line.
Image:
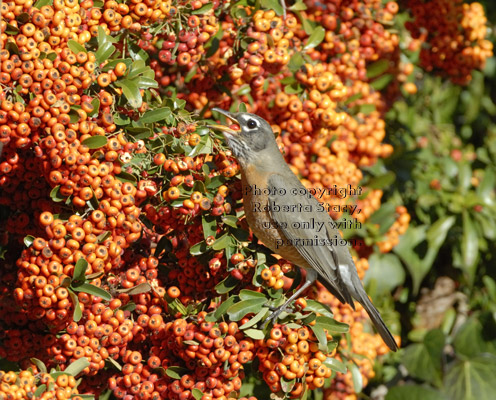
x=309 y=280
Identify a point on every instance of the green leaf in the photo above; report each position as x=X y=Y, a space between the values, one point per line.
x=144 y=287
x=176 y=372
x=366 y=108
x=471 y=379
x=144 y=82
x=332 y=325
x=469 y=246
x=382 y=181
x=199 y=248
x=56 y=196
x=221 y=310
x=296 y=62
x=197 y=393
x=78 y=313
x=356 y=377
x=39 y=364
x=41 y=3
x=472 y=337
x=80 y=270
x=39 y=391
x=335 y=365
x=226 y=285
x=28 y=240
x=317 y=307
x=381 y=265
x=77 y=366
x=244 y=307
x=131 y=91
x=315 y=38
x=485 y=190
x=298 y=6
x=75 y=46
x=381 y=82
x=95 y=142
x=114 y=363
x=413 y=392
x=318 y=330
x=423 y=360
x=156 y=115
x=126 y=177
x=224 y=241
x=209 y=225
x=255 y=334
x=203 y=10
x=255 y=319
x=377 y=68
x=273 y=5
x=93 y=290
x=246 y=294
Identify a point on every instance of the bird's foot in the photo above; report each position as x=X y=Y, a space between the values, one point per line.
x=274 y=316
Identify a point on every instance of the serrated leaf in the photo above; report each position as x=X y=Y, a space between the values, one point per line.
x=80 y=270
x=76 y=367
x=95 y=142
x=469 y=246
x=93 y=290
x=298 y=6
x=315 y=38
x=144 y=287
x=237 y=311
x=75 y=46
x=128 y=307
x=176 y=372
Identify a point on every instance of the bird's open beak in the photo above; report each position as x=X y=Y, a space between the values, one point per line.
x=224 y=128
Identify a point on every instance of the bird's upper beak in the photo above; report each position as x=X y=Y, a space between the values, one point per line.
x=224 y=128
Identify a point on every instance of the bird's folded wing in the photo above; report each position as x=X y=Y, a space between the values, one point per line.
x=325 y=259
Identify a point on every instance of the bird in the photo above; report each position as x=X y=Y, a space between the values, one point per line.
x=289 y=220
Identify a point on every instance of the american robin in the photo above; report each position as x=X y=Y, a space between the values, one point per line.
x=289 y=220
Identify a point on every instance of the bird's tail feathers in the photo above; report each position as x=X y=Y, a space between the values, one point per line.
x=379 y=324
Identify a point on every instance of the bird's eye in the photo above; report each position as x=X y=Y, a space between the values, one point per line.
x=251 y=124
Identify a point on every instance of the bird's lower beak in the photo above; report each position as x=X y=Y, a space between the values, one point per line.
x=225 y=128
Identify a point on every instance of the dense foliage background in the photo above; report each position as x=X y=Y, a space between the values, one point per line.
x=127 y=267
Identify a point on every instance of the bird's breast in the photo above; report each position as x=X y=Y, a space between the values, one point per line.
x=256 y=205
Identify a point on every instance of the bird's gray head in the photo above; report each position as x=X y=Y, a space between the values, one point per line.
x=255 y=135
